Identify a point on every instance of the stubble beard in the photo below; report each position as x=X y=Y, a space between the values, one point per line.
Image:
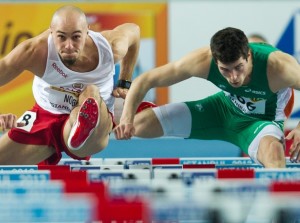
x=68 y=62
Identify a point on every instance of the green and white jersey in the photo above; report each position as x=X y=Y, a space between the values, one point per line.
x=256 y=99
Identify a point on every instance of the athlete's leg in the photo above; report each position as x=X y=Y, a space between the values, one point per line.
x=167 y=120
x=100 y=130
x=147 y=125
x=268 y=147
x=271 y=152
x=13 y=153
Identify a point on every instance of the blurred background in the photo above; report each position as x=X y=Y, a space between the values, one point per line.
x=169 y=30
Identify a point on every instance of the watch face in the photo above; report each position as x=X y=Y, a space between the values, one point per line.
x=124 y=84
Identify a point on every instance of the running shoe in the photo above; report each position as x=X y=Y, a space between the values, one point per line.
x=87 y=120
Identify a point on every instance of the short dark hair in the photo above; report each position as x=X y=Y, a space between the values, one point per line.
x=228 y=45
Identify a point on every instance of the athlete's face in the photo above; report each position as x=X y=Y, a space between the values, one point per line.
x=69 y=39
x=236 y=73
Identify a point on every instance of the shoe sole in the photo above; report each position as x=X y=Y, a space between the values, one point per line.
x=84 y=117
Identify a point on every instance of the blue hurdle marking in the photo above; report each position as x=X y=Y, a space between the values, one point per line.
x=136 y=162
x=278 y=174
x=33 y=176
x=252 y=166
x=239 y=166
x=219 y=161
x=18 y=168
x=145 y=161
x=27 y=189
x=125 y=174
x=70 y=161
x=69 y=208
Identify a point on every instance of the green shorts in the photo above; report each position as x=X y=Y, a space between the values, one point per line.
x=216 y=118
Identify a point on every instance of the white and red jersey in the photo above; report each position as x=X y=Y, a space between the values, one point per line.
x=58 y=89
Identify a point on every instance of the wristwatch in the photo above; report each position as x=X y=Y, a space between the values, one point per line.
x=124 y=84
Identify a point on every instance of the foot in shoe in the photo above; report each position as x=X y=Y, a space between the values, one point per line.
x=87 y=120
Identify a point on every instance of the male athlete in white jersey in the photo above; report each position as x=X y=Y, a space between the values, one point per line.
x=73 y=88
x=256 y=80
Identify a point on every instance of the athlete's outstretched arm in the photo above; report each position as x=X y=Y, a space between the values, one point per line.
x=28 y=55
x=287 y=74
x=196 y=64
x=125 y=43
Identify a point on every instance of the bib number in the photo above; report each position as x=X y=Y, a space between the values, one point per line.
x=248 y=105
x=28 y=119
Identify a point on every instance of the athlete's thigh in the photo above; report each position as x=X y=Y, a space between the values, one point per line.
x=13 y=153
x=167 y=120
x=209 y=118
x=256 y=133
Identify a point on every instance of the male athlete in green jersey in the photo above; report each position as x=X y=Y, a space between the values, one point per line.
x=257 y=82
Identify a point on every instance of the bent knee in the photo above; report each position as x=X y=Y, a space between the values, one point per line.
x=91 y=87
x=93 y=145
x=87 y=150
x=273 y=155
x=89 y=91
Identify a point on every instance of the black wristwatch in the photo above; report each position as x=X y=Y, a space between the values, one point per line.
x=124 y=84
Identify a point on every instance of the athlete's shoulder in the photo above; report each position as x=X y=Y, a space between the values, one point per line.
x=42 y=39
x=36 y=49
x=196 y=63
x=279 y=58
x=40 y=44
x=36 y=44
x=283 y=69
x=201 y=54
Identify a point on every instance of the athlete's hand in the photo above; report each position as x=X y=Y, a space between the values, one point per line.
x=120 y=92
x=124 y=131
x=295 y=147
x=8 y=121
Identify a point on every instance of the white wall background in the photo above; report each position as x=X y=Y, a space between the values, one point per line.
x=192 y=23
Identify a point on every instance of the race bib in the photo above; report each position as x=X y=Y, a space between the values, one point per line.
x=28 y=119
x=248 y=105
x=62 y=99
